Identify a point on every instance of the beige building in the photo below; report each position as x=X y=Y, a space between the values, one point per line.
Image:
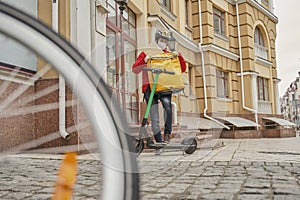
x=290 y=102
x=231 y=79
x=232 y=72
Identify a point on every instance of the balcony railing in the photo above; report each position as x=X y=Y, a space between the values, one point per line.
x=261 y=51
x=264 y=107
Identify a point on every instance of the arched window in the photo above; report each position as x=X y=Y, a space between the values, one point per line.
x=260 y=45
x=258 y=37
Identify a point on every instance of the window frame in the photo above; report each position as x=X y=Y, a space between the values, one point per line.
x=262 y=89
x=186 y=6
x=119 y=73
x=220 y=16
x=224 y=77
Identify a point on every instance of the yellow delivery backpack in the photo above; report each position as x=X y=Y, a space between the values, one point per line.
x=166 y=82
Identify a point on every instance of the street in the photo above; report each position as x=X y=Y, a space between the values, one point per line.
x=240 y=169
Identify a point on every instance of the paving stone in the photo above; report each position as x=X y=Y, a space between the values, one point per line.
x=252 y=197
x=234 y=163
x=227 y=189
x=270 y=163
x=286 y=191
x=245 y=163
x=259 y=191
x=257 y=184
x=196 y=190
x=148 y=188
x=158 y=196
x=217 y=196
x=286 y=197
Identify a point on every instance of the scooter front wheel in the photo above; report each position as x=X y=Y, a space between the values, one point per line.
x=192 y=144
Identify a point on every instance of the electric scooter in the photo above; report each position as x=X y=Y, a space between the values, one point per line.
x=188 y=145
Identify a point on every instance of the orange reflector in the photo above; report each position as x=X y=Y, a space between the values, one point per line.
x=66 y=178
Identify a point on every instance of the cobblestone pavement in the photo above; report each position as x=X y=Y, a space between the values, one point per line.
x=241 y=169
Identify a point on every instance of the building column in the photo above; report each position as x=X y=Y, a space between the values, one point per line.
x=277 y=96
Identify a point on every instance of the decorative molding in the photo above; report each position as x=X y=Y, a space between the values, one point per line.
x=221 y=51
x=248 y=73
x=224 y=99
x=102 y=8
x=262 y=61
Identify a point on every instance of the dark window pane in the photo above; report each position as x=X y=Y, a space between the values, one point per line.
x=132 y=18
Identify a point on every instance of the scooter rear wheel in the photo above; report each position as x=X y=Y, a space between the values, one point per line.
x=138 y=146
x=192 y=142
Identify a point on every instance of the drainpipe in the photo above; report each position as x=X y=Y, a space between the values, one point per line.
x=203 y=71
x=174 y=105
x=241 y=64
x=62 y=84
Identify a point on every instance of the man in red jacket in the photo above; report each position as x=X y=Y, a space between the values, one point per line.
x=161 y=39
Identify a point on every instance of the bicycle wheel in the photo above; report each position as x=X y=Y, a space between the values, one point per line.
x=120 y=177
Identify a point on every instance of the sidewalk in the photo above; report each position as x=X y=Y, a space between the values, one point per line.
x=241 y=169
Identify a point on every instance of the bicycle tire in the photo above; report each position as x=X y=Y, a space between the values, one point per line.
x=120 y=177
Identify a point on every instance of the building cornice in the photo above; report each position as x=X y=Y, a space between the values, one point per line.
x=263 y=62
x=258 y=6
x=221 y=51
x=251 y=73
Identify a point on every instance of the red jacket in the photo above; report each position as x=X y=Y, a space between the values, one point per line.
x=139 y=64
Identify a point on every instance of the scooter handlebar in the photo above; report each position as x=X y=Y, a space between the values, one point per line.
x=158 y=71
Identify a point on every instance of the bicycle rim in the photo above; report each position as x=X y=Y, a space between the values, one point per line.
x=120 y=178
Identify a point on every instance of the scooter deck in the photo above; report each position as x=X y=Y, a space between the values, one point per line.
x=170 y=146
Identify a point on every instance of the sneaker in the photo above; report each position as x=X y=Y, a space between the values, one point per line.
x=158 y=151
x=167 y=138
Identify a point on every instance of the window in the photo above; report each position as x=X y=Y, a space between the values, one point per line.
x=112 y=8
x=186 y=12
x=129 y=23
x=263 y=89
x=258 y=37
x=167 y=4
x=259 y=44
x=26 y=60
x=191 y=75
x=222 y=84
x=219 y=21
x=120 y=55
